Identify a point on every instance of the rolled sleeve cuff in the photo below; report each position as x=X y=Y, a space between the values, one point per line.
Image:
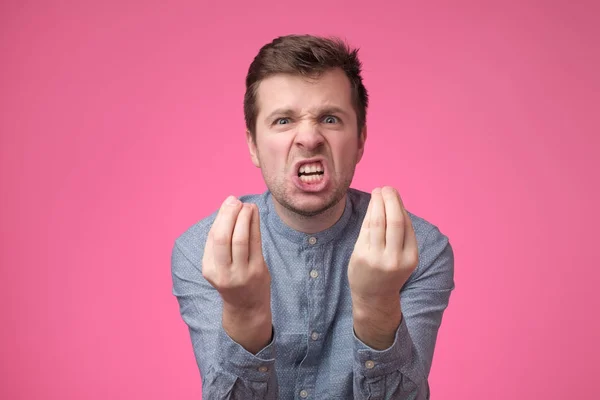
x=240 y=362
x=400 y=356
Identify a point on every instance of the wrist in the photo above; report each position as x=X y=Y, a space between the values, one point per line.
x=365 y=307
x=376 y=320
x=251 y=328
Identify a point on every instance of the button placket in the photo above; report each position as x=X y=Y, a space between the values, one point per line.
x=306 y=379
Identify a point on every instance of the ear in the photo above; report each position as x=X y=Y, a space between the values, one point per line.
x=252 y=149
x=362 y=138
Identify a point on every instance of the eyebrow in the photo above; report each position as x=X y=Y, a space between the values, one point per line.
x=279 y=111
x=317 y=111
x=332 y=110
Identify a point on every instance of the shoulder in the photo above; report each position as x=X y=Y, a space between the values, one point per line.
x=435 y=269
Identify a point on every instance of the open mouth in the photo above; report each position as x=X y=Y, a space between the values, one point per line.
x=311 y=173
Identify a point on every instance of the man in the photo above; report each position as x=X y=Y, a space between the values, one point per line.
x=311 y=290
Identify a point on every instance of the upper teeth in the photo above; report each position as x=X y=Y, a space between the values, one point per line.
x=310 y=168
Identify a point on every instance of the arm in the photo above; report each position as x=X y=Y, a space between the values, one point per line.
x=395 y=334
x=234 y=354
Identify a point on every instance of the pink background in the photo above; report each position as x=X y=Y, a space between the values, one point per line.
x=121 y=125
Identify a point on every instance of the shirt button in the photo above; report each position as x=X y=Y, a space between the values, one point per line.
x=312 y=240
x=303 y=394
x=369 y=364
x=314 y=336
x=314 y=273
x=263 y=369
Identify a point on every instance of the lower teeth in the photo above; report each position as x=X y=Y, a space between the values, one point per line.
x=311 y=178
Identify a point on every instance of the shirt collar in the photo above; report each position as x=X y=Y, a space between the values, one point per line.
x=276 y=224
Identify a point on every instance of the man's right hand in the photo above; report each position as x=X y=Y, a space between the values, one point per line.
x=233 y=264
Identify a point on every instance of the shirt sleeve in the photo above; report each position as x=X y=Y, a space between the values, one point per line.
x=402 y=370
x=228 y=371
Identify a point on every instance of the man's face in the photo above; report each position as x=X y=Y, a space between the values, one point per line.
x=307 y=143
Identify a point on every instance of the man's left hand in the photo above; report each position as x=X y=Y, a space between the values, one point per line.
x=384 y=257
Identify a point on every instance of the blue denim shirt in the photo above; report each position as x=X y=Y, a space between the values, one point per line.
x=314 y=353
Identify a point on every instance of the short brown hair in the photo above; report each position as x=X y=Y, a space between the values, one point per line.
x=309 y=56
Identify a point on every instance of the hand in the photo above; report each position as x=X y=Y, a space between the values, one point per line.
x=386 y=252
x=233 y=264
x=384 y=257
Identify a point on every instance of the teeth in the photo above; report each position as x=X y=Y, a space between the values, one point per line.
x=311 y=168
x=311 y=178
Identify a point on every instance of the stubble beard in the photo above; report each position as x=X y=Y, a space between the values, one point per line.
x=280 y=194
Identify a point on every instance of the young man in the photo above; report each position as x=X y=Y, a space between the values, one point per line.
x=311 y=290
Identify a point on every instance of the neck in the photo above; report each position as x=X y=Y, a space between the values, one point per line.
x=315 y=223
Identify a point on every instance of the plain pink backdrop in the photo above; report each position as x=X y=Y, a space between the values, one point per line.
x=121 y=125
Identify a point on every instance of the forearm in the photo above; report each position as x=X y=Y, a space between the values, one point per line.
x=234 y=373
x=376 y=320
x=250 y=328
x=395 y=372
x=244 y=367
x=228 y=370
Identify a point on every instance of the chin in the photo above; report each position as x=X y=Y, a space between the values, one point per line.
x=306 y=212
x=307 y=204
x=311 y=207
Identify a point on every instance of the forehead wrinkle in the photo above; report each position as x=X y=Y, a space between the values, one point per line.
x=327 y=99
x=327 y=109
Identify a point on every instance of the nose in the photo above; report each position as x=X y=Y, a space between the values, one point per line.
x=308 y=136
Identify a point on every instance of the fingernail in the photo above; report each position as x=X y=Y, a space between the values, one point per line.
x=376 y=190
x=232 y=201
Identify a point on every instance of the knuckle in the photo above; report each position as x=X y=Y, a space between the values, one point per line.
x=360 y=256
x=255 y=276
x=377 y=222
x=412 y=259
x=239 y=240
x=396 y=222
x=257 y=266
x=211 y=278
x=225 y=283
x=221 y=239
x=390 y=264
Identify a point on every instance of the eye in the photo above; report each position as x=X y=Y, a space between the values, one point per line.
x=330 y=119
x=282 y=121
